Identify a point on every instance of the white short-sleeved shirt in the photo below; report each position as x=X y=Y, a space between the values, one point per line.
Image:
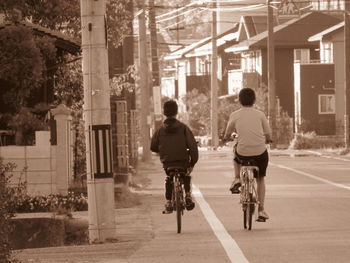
x=251 y=125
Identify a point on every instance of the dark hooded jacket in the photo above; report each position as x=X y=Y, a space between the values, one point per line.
x=175 y=143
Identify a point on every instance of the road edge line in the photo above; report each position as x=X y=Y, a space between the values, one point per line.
x=230 y=246
x=342 y=186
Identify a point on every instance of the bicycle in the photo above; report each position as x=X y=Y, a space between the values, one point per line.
x=178 y=199
x=249 y=195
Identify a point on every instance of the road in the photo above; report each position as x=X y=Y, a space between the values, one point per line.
x=307 y=199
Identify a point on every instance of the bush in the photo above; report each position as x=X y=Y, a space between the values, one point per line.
x=310 y=140
x=6 y=212
x=51 y=203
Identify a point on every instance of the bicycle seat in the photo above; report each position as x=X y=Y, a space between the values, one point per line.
x=248 y=162
x=178 y=169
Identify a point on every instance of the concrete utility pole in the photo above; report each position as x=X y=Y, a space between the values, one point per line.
x=155 y=65
x=347 y=74
x=144 y=85
x=97 y=118
x=271 y=71
x=214 y=81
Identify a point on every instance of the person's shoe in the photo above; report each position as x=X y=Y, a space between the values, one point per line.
x=168 y=207
x=236 y=184
x=262 y=216
x=189 y=203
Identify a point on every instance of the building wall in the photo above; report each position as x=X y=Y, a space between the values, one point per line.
x=315 y=80
x=285 y=79
x=339 y=69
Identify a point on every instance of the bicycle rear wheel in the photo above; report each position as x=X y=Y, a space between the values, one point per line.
x=248 y=212
x=179 y=207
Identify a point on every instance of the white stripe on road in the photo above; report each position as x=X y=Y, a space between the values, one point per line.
x=311 y=176
x=330 y=157
x=233 y=251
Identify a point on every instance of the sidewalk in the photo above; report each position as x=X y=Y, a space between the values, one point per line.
x=133 y=229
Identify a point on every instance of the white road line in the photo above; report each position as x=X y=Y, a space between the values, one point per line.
x=233 y=251
x=330 y=157
x=312 y=176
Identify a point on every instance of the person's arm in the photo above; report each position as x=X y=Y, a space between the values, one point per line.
x=230 y=128
x=192 y=146
x=155 y=142
x=266 y=129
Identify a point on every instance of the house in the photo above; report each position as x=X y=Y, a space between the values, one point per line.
x=291 y=44
x=330 y=104
x=193 y=62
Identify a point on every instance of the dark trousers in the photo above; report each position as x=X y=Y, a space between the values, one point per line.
x=169 y=185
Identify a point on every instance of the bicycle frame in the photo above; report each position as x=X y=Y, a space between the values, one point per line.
x=178 y=199
x=249 y=195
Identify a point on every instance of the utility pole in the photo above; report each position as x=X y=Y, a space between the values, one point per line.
x=97 y=116
x=155 y=65
x=144 y=85
x=214 y=81
x=347 y=74
x=271 y=71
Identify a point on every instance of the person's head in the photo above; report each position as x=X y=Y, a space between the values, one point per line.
x=246 y=97
x=170 y=108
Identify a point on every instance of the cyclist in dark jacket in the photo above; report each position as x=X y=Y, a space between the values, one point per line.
x=177 y=147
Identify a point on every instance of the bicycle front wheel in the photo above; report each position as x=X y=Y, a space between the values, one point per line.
x=179 y=207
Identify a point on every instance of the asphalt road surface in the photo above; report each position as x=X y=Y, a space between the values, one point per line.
x=307 y=198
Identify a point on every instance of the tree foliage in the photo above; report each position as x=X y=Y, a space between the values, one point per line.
x=23 y=59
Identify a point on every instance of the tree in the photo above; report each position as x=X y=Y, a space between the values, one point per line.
x=23 y=59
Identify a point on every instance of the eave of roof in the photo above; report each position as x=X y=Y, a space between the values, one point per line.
x=259 y=41
x=327 y=32
x=182 y=53
x=206 y=49
x=64 y=41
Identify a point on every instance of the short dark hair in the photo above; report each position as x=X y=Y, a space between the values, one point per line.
x=246 y=97
x=170 y=108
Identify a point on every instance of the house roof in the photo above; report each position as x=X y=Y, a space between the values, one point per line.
x=327 y=32
x=180 y=53
x=294 y=32
x=250 y=26
x=62 y=40
x=223 y=39
x=203 y=46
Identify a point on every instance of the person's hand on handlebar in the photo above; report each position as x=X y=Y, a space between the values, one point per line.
x=268 y=139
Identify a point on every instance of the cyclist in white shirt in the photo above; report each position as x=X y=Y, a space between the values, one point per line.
x=253 y=132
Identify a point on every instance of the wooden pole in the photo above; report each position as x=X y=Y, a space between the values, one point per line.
x=214 y=82
x=347 y=74
x=271 y=71
x=144 y=85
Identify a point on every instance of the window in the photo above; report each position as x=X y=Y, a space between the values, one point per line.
x=301 y=55
x=326 y=104
x=326 y=53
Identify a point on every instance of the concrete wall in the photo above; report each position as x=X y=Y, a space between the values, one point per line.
x=45 y=168
x=35 y=165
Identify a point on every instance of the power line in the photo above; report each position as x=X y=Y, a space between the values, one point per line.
x=172 y=17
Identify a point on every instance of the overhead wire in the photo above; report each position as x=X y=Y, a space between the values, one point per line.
x=172 y=17
x=176 y=10
x=183 y=20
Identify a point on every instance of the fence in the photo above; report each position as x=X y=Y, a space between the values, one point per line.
x=45 y=168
